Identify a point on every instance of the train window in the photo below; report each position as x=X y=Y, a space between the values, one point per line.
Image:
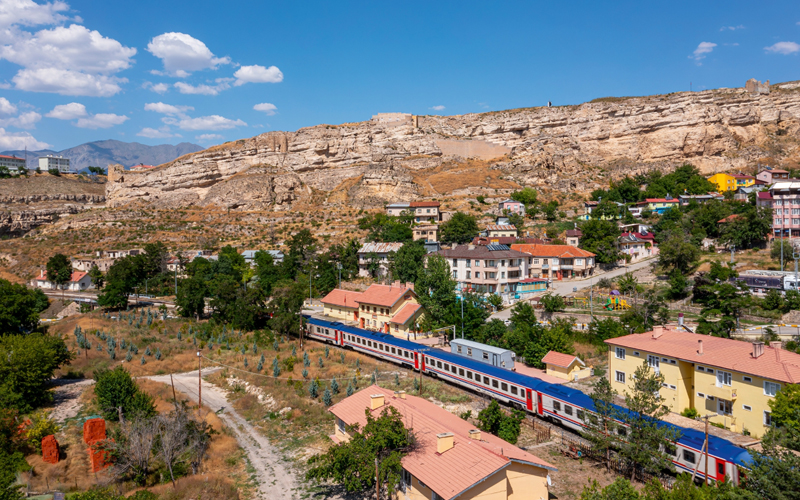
x=556 y=405
x=504 y=387
x=580 y=415
x=393 y=352
x=369 y=343
x=439 y=364
x=720 y=468
x=327 y=332
x=689 y=456
x=672 y=450
x=622 y=431
x=485 y=380
x=380 y=347
x=461 y=371
x=494 y=383
x=407 y=354
x=469 y=374
x=568 y=409
x=446 y=367
x=513 y=389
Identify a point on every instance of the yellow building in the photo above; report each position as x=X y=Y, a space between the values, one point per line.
x=501 y=230
x=732 y=379
x=565 y=366
x=388 y=308
x=451 y=459
x=731 y=182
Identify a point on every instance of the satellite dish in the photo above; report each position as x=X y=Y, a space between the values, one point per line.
x=549 y=481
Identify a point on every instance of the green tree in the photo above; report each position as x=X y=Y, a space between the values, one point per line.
x=785 y=407
x=600 y=238
x=27 y=363
x=517 y=221
x=724 y=301
x=19 y=307
x=550 y=211
x=267 y=271
x=523 y=314
x=191 y=298
x=59 y=270
x=749 y=229
x=627 y=283
x=117 y=391
x=775 y=471
x=285 y=306
x=647 y=443
x=97 y=277
x=461 y=228
x=775 y=251
x=493 y=420
x=678 y=285
x=620 y=489
x=678 y=253
x=601 y=426
x=436 y=289
x=552 y=302
x=556 y=338
x=408 y=262
x=352 y=463
x=527 y=196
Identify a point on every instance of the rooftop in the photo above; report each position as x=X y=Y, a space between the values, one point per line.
x=574 y=233
x=506 y=240
x=560 y=359
x=406 y=313
x=74 y=277
x=501 y=227
x=661 y=200
x=478 y=345
x=380 y=247
x=561 y=251
x=385 y=295
x=453 y=471
x=774 y=364
x=423 y=204
x=729 y=218
x=479 y=252
x=342 y=298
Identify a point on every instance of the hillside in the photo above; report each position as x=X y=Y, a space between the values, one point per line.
x=393 y=157
x=103 y=153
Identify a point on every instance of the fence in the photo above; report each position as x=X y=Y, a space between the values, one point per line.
x=541 y=433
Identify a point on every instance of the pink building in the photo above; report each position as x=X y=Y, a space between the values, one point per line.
x=513 y=206
x=784 y=199
x=770 y=176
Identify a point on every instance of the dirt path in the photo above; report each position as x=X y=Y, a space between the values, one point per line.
x=275 y=479
x=66 y=397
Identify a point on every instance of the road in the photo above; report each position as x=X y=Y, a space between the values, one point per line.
x=275 y=479
x=57 y=294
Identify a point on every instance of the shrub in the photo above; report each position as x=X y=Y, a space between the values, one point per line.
x=115 y=389
x=41 y=425
x=690 y=413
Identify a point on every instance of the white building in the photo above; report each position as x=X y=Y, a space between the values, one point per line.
x=77 y=282
x=379 y=253
x=54 y=162
x=12 y=163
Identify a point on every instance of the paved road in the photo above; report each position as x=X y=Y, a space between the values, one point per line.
x=275 y=480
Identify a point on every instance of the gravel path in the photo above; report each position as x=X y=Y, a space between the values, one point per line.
x=275 y=479
x=66 y=397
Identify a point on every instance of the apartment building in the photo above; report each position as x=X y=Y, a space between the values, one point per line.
x=731 y=378
x=486 y=268
x=425 y=211
x=51 y=162
x=373 y=258
x=513 y=206
x=12 y=163
x=771 y=176
x=557 y=261
x=426 y=232
x=731 y=182
x=451 y=458
x=386 y=308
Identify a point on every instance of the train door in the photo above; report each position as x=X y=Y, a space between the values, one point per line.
x=422 y=362
x=529 y=399
x=336 y=337
x=540 y=405
x=720 y=472
x=416 y=361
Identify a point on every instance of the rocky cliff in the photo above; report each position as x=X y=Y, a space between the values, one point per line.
x=569 y=148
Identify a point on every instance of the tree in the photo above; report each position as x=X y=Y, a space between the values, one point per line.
x=647 y=443
x=749 y=229
x=523 y=314
x=352 y=463
x=527 y=196
x=726 y=301
x=601 y=426
x=550 y=211
x=117 y=394
x=191 y=300
x=600 y=238
x=678 y=253
x=517 y=221
x=436 y=289
x=461 y=228
x=494 y=421
x=408 y=262
x=555 y=338
x=27 y=363
x=59 y=270
x=775 y=471
x=678 y=285
x=172 y=431
x=287 y=300
x=552 y=302
x=652 y=310
x=785 y=409
x=775 y=251
x=97 y=277
x=627 y=283
x=19 y=307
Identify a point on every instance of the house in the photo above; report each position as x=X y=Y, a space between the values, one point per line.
x=78 y=281
x=13 y=164
x=557 y=261
x=531 y=286
x=772 y=175
x=119 y=254
x=637 y=246
x=731 y=182
x=51 y=162
x=658 y=205
x=85 y=264
x=425 y=232
x=386 y=308
x=573 y=237
x=487 y=269
x=588 y=206
x=636 y=227
x=736 y=380
x=373 y=258
x=495 y=230
x=250 y=256
x=513 y=207
x=451 y=459
x=397 y=209
x=685 y=199
x=565 y=366
x=508 y=240
x=425 y=211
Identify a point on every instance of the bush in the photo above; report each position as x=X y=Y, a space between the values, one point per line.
x=27 y=363
x=116 y=389
x=690 y=413
x=41 y=426
x=53 y=171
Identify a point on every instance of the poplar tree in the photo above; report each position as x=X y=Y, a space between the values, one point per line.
x=601 y=426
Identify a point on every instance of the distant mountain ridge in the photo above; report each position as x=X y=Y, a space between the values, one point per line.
x=102 y=153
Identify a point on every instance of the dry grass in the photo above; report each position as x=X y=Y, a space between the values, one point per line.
x=451 y=176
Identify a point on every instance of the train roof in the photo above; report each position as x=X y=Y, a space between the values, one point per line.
x=383 y=337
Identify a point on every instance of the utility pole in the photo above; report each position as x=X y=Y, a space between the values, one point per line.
x=781 y=240
x=705 y=448
x=462 y=316
x=176 y=281
x=339 y=267
x=199 y=381
x=591 y=297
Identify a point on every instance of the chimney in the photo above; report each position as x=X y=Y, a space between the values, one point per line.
x=680 y=319
x=776 y=344
x=700 y=347
x=376 y=401
x=410 y=285
x=397 y=283
x=658 y=331
x=400 y=394
x=444 y=442
x=758 y=349
x=475 y=434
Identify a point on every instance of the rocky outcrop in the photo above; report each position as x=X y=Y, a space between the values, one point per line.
x=39 y=198
x=19 y=222
x=554 y=147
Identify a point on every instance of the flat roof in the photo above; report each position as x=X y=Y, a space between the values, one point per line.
x=478 y=345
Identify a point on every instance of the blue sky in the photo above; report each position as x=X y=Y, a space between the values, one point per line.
x=168 y=71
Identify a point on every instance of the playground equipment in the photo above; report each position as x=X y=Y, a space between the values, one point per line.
x=616 y=304
x=581 y=302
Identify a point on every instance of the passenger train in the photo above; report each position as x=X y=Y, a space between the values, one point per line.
x=553 y=402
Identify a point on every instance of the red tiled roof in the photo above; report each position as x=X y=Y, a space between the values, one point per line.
x=342 y=298
x=453 y=471
x=649 y=236
x=533 y=280
x=501 y=227
x=773 y=364
x=764 y=195
x=742 y=176
x=384 y=295
x=405 y=313
x=562 y=251
x=572 y=233
x=560 y=359
x=12 y=157
x=506 y=240
x=74 y=277
x=423 y=204
x=727 y=219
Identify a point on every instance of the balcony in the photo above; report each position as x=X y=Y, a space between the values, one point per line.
x=567 y=267
x=725 y=392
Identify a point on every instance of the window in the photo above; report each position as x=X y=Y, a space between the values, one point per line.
x=369 y=343
x=504 y=387
x=724 y=407
x=461 y=371
x=710 y=370
x=709 y=397
x=771 y=388
x=477 y=263
x=468 y=262
x=455 y=262
x=486 y=355
x=393 y=351
x=469 y=351
x=767 y=418
x=620 y=353
x=502 y=275
x=720 y=468
x=485 y=380
x=581 y=415
x=620 y=377
x=494 y=383
x=439 y=364
x=635 y=353
x=689 y=456
x=446 y=367
x=406 y=476
x=622 y=431
x=747 y=408
x=514 y=389
x=747 y=379
x=568 y=409
x=469 y=374
x=477 y=275
x=556 y=406
x=458 y=348
x=491 y=263
x=723 y=378
x=469 y=274
x=455 y=274
x=535 y=261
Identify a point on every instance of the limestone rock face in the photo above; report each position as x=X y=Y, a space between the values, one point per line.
x=556 y=147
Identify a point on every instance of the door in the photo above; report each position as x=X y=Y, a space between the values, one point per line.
x=336 y=337
x=653 y=361
x=422 y=362
x=539 y=401
x=720 y=470
x=494 y=359
x=529 y=399
x=362 y=322
x=416 y=361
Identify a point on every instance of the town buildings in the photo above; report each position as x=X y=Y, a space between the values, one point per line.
x=12 y=163
x=685 y=199
x=772 y=175
x=513 y=206
x=422 y=211
x=451 y=459
x=557 y=261
x=784 y=200
x=731 y=182
x=731 y=378
x=501 y=230
x=565 y=366
x=51 y=162
x=573 y=237
x=486 y=269
x=78 y=281
x=373 y=258
x=637 y=246
x=386 y=308
x=657 y=205
x=426 y=232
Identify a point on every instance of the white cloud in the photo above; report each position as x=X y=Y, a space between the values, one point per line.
x=266 y=107
x=702 y=49
x=168 y=109
x=784 y=48
x=181 y=54
x=161 y=133
x=101 y=120
x=208 y=138
x=437 y=108
x=6 y=108
x=25 y=120
x=158 y=88
x=257 y=74
x=20 y=140
x=212 y=122
x=68 y=111
x=732 y=28
x=185 y=88
x=67 y=82
x=28 y=13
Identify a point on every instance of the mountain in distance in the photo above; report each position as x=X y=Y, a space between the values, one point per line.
x=101 y=153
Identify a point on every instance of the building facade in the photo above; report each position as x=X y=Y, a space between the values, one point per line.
x=425 y=211
x=12 y=163
x=733 y=379
x=770 y=176
x=501 y=230
x=685 y=199
x=426 y=232
x=557 y=261
x=513 y=206
x=565 y=366
x=451 y=458
x=731 y=182
x=637 y=246
x=486 y=269
x=397 y=209
x=78 y=281
x=784 y=200
x=373 y=258
x=54 y=163
x=386 y=308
